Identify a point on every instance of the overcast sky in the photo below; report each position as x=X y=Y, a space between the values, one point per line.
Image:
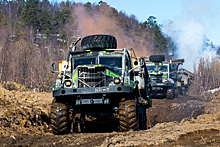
x=205 y=12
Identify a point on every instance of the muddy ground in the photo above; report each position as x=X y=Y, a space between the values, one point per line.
x=183 y=121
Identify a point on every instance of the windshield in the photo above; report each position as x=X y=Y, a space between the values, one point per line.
x=112 y=61
x=151 y=68
x=84 y=61
x=162 y=68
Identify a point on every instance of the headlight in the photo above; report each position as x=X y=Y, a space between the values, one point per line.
x=68 y=83
x=168 y=80
x=165 y=80
x=117 y=80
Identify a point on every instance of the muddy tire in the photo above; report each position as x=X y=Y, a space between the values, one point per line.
x=157 y=58
x=170 y=94
x=98 y=42
x=60 y=122
x=180 y=91
x=127 y=116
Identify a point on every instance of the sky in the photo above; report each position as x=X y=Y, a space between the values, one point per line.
x=205 y=12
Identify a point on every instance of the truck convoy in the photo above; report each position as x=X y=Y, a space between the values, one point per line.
x=163 y=75
x=100 y=83
x=185 y=78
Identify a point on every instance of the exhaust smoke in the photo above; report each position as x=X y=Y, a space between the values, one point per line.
x=189 y=31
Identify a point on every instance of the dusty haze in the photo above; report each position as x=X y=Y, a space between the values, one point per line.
x=99 y=23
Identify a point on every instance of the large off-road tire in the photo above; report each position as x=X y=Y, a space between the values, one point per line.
x=98 y=42
x=157 y=58
x=170 y=93
x=60 y=121
x=179 y=90
x=127 y=116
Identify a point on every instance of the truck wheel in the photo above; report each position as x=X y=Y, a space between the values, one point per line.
x=180 y=91
x=98 y=42
x=170 y=94
x=60 y=122
x=157 y=58
x=127 y=116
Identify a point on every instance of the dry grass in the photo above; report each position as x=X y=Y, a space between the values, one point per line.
x=209 y=77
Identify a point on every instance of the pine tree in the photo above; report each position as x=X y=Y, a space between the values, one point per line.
x=47 y=32
x=31 y=14
x=3 y=20
x=155 y=34
x=66 y=15
x=61 y=18
x=57 y=22
x=63 y=35
x=45 y=21
x=88 y=7
x=20 y=10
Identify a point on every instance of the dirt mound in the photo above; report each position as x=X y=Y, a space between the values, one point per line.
x=25 y=121
x=23 y=111
x=171 y=132
x=165 y=110
x=208 y=108
x=14 y=86
x=189 y=132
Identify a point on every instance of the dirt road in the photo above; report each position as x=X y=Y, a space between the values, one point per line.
x=166 y=110
x=171 y=123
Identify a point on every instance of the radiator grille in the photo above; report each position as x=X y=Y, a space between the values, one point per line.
x=156 y=78
x=91 y=77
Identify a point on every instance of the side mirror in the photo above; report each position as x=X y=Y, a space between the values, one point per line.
x=174 y=67
x=53 y=68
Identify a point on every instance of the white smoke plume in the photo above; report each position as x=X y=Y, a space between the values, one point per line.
x=189 y=31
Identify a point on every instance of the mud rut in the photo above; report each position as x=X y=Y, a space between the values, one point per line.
x=168 y=110
x=163 y=110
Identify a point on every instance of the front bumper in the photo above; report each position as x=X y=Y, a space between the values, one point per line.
x=92 y=90
x=165 y=84
x=161 y=86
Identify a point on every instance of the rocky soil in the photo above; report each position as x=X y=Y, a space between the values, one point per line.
x=23 y=111
x=183 y=121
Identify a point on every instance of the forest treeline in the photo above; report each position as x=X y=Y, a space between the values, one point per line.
x=34 y=34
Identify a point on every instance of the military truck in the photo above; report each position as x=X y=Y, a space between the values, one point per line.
x=163 y=75
x=100 y=83
x=185 y=78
